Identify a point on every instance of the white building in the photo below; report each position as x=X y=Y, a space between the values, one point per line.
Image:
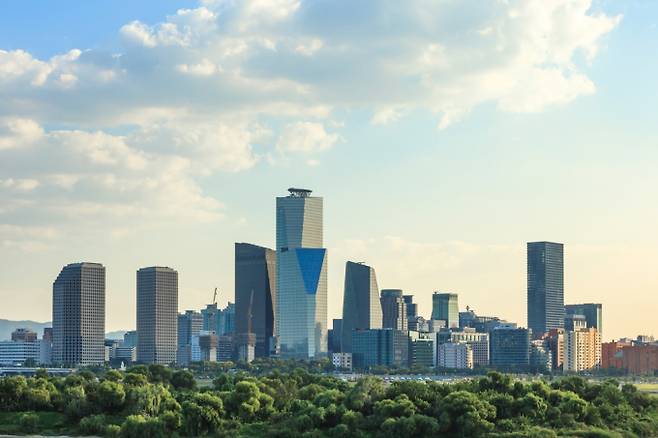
x=342 y=360
x=458 y=355
x=17 y=353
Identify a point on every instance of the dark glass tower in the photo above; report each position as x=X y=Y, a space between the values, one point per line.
x=545 y=287
x=255 y=295
x=361 y=306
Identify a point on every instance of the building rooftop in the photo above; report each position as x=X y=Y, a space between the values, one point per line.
x=299 y=193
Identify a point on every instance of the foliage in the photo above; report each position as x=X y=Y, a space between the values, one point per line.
x=156 y=401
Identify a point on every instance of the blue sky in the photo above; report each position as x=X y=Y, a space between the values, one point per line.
x=443 y=135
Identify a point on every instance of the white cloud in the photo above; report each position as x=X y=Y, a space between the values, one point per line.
x=217 y=87
x=305 y=137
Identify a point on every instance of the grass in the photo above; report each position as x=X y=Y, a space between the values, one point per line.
x=647 y=387
x=50 y=423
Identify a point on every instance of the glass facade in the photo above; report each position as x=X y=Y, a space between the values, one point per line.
x=445 y=306
x=361 y=306
x=394 y=309
x=510 y=347
x=301 y=265
x=255 y=294
x=388 y=347
x=545 y=287
x=593 y=313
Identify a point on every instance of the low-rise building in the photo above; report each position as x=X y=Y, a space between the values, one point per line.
x=17 y=353
x=380 y=347
x=510 y=347
x=342 y=361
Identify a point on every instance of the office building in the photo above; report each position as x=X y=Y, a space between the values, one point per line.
x=79 y=315
x=157 y=315
x=593 y=313
x=446 y=307
x=411 y=308
x=545 y=287
x=450 y=355
x=23 y=335
x=574 y=321
x=208 y=345
x=342 y=361
x=540 y=356
x=255 y=299
x=18 y=353
x=190 y=325
x=554 y=341
x=130 y=339
x=379 y=347
x=301 y=310
x=219 y=321
x=361 y=307
x=334 y=336
x=421 y=350
x=225 y=346
x=509 y=347
x=582 y=350
x=633 y=357
x=479 y=343
x=394 y=312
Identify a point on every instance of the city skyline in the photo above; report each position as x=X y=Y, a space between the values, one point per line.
x=437 y=165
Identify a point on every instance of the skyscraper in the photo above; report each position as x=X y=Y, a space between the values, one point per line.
x=593 y=313
x=446 y=307
x=394 y=311
x=190 y=325
x=361 y=306
x=79 y=315
x=255 y=296
x=545 y=287
x=301 y=309
x=157 y=312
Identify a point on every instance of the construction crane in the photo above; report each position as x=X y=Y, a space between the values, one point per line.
x=214 y=297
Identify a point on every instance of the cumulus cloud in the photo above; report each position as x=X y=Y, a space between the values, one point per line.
x=212 y=88
x=305 y=137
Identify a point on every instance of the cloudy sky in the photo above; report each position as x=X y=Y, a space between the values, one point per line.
x=443 y=135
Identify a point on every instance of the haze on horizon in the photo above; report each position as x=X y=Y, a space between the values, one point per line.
x=442 y=134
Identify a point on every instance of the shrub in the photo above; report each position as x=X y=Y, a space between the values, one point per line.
x=92 y=425
x=29 y=422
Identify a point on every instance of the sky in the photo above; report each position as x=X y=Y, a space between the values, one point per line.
x=442 y=134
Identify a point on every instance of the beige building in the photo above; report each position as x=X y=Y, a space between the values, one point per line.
x=451 y=355
x=582 y=350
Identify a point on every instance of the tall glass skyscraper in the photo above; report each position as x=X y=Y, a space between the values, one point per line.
x=394 y=309
x=361 y=306
x=301 y=275
x=255 y=295
x=79 y=315
x=545 y=287
x=445 y=306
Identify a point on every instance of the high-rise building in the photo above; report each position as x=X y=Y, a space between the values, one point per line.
x=540 y=356
x=301 y=310
x=79 y=315
x=446 y=307
x=545 y=287
x=394 y=312
x=574 y=321
x=255 y=298
x=334 y=335
x=582 y=350
x=130 y=338
x=593 y=313
x=421 y=350
x=23 y=335
x=411 y=308
x=157 y=315
x=510 y=347
x=361 y=306
x=190 y=325
x=554 y=341
x=388 y=347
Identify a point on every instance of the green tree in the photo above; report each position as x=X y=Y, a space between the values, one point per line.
x=111 y=396
x=29 y=422
x=464 y=414
x=183 y=380
x=202 y=414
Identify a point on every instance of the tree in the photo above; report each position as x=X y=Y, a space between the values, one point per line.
x=202 y=414
x=12 y=390
x=183 y=380
x=29 y=422
x=464 y=414
x=111 y=396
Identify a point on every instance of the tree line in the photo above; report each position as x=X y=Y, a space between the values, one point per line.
x=156 y=401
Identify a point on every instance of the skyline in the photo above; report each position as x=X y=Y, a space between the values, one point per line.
x=173 y=175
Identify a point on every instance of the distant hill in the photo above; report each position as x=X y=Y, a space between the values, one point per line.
x=7 y=326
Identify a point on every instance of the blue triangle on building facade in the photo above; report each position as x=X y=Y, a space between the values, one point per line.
x=310 y=264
